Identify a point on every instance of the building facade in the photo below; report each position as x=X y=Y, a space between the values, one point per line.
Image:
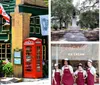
x=76 y=53
x=25 y=23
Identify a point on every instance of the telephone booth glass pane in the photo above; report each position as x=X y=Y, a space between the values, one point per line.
x=28 y=58
x=38 y=59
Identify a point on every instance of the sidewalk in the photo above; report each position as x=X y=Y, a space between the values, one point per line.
x=42 y=82
x=18 y=81
x=10 y=80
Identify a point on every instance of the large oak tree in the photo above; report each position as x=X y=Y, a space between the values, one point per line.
x=63 y=10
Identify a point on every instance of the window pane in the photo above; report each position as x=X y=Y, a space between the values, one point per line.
x=8 y=46
x=32 y=20
x=9 y=55
x=37 y=30
x=3 y=45
x=35 y=25
x=8 y=50
x=37 y=21
x=0 y=46
x=3 y=56
x=3 y=50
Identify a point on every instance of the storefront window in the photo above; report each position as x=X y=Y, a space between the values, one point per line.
x=35 y=25
x=5 y=51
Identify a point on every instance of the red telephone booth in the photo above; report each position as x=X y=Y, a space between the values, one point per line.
x=32 y=56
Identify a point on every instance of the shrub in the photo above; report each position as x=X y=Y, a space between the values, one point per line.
x=55 y=26
x=84 y=28
x=8 y=69
x=1 y=62
x=1 y=68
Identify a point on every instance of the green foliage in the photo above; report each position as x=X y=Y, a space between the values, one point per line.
x=1 y=70
x=93 y=4
x=8 y=69
x=46 y=1
x=1 y=62
x=63 y=10
x=89 y=19
x=84 y=28
x=55 y=26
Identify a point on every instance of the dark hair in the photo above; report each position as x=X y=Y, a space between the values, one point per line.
x=86 y=66
x=67 y=62
x=79 y=65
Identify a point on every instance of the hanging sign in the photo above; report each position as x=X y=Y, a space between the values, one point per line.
x=44 y=24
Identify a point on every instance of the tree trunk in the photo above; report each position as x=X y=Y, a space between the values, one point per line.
x=60 y=24
x=66 y=24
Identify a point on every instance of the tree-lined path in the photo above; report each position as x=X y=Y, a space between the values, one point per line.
x=75 y=22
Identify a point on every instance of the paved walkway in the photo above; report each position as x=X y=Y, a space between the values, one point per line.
x=10 y=81
x=68 y=35
x=74 y=35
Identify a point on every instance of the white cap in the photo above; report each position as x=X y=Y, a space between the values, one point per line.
x=80 y=64
x=89 y=60
x=66 y=59
x=56 y=65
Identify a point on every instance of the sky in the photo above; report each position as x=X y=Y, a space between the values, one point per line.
x=75 y=1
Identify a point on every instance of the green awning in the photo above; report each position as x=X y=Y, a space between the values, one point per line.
x=9 y=5
x=4 y=37
x=35 y=10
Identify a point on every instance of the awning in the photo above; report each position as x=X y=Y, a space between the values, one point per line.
x=4 y=37
x=35 y=10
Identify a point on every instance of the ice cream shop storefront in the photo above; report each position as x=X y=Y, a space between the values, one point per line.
x=76 y=53
x=24 y=38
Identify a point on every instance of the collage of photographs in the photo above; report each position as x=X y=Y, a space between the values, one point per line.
x=49 y=42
